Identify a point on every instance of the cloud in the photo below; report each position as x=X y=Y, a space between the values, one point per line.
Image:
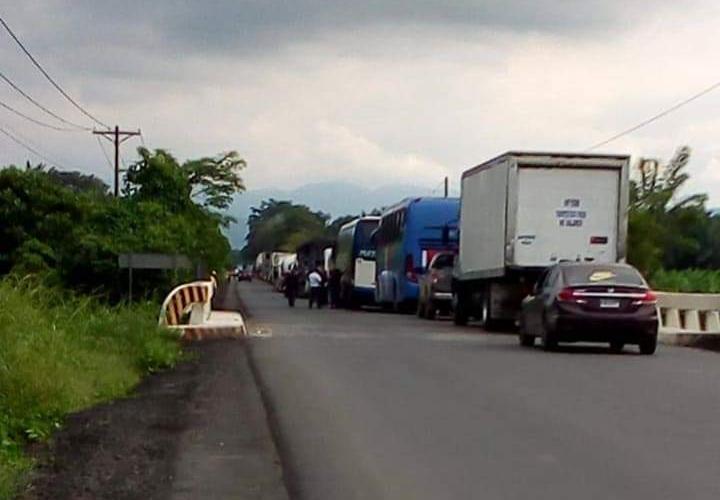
x=371 y=92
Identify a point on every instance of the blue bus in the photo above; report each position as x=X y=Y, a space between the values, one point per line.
x=409 y=235
x=355 y=259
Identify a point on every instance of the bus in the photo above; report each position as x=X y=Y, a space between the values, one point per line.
x=355 y=259
x=408 y=237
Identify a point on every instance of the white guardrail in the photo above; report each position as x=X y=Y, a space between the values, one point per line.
x=689 y=313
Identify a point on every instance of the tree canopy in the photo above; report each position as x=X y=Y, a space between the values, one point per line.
x=65 y=225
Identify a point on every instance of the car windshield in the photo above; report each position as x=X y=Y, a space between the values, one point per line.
x=593 y=274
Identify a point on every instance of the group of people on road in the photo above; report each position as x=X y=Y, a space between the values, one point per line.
x=322 y=286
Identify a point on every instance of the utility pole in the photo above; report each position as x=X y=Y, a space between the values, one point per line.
x=117 y=137
x=447 y=186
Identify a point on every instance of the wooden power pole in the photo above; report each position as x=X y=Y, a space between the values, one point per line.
x=117 y=137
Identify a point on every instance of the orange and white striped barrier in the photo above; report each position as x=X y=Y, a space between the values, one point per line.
x=188 y=309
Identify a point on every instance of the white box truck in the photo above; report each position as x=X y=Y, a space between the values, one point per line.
x=522 y=212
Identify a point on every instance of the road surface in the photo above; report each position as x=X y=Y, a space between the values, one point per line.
x=370 y=405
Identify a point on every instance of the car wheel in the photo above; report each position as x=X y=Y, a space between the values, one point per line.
x=460 y=314
x=617 y=346
x=648 y=345
x=549 y=340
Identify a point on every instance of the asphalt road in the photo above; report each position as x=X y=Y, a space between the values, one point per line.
x=381 y=406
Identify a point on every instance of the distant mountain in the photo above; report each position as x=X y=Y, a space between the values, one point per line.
x=335 y=198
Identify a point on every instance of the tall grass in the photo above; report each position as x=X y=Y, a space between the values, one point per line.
x=60 y=353
x=687 y=281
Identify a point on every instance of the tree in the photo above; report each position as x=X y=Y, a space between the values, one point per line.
x=666 y=228
x=282 y=226
x=214 y=181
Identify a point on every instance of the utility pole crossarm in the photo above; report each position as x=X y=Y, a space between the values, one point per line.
x=117 y=137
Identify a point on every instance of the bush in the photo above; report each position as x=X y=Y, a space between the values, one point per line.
x=687 y=281
x=60 y=353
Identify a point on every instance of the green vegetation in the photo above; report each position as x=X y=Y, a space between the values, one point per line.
x=284 y=226
x=60 y=353
x=69 y=229
x=687 y=281
x=63 y=345
x=673 y=238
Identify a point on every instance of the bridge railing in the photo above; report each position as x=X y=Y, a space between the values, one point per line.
x=689 y=313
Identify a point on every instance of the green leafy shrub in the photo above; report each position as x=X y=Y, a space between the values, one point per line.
x=60 y=353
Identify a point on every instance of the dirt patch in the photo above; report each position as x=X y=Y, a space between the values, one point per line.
x=198 y=431
x=123 y=449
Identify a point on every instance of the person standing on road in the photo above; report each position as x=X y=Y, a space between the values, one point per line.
x=315 y=280
x=291 y=283
x=334 y=287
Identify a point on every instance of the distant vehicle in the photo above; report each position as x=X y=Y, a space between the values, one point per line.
x=580 y=302
x=523 y=212
x=355 y=259
x=244 y=275
x=409 y=236
x=436 y=286
x=276 y=261
x=263 y=265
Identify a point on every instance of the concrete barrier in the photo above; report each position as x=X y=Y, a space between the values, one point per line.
x=689 y=313
x=188 y=309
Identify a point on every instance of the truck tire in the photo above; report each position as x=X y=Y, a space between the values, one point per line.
x=487 y=322
x=460 y=312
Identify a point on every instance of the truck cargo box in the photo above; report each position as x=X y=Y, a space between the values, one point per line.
x=530 y=210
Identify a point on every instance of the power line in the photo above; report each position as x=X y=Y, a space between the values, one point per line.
x=31 y=149
x=37 y=104
x=33 y=120
x=48 y=77
x=105 y=154
x=657 y=116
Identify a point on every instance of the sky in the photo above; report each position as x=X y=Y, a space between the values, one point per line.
x=374 y=92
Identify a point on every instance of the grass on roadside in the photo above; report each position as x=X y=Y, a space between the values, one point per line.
x=59 y=354
x=687 y=281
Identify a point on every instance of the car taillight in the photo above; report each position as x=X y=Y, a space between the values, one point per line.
x=648 y=298
x=566 y=295
x=410 y=268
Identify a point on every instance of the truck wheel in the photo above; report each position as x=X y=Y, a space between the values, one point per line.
x=460 y=313
x=486 y=321
x=525 y=339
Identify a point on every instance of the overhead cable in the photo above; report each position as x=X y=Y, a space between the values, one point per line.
x=657 y=116
x=34 y=151
x=40 y=106
x=48 y=77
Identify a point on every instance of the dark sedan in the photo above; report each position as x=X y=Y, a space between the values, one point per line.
x=585 y=302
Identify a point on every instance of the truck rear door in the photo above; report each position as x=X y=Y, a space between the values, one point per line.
x=566 y=214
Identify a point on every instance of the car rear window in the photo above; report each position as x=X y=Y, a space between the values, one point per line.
x=444 y=260
x=583 y=275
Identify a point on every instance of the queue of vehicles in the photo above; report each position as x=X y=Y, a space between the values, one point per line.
x=536 y=240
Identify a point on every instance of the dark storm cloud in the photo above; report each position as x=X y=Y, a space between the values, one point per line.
x=264 y=25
